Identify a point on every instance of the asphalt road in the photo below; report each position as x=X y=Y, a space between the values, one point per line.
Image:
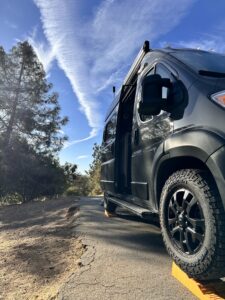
x=125 y=259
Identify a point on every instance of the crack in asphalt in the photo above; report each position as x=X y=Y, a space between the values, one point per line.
x=121 y=261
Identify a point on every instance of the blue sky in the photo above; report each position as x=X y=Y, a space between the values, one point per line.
x=87 y=47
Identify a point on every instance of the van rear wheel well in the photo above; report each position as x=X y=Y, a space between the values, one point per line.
x=168 y=167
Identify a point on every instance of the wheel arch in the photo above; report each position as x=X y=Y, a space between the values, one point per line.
x=168 y=165
x=189 y=149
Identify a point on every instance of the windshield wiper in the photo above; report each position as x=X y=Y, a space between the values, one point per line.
x=211 y=74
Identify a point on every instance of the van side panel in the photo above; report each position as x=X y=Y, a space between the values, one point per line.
x=108 y=153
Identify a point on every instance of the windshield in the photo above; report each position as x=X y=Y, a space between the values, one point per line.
x=202 y=60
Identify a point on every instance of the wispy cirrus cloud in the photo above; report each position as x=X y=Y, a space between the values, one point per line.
x=212 y=40
x=10 y=24
x=215 y=43
x=93 y=45
x=45 y=53
x=92 y=134
x=82 y=156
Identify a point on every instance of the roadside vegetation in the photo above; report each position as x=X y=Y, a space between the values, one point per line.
x=88 y=184
x=30 y=134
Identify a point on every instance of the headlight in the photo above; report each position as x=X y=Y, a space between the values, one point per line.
x=219 y=98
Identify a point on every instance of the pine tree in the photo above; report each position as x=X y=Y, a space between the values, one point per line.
x=94 y=171
x=30 y=122
x=70 y=171
x=27 y=108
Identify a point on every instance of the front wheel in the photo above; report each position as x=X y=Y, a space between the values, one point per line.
x=109 y=206
x=192 y=221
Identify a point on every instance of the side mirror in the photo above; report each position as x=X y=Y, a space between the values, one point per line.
x=177 y=100
x=152 y=101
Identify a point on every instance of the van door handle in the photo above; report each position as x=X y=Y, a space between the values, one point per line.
x=136 y=136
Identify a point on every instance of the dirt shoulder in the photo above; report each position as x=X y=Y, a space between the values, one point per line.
x=39 y=248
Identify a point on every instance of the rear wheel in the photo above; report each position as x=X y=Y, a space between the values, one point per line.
x=109 y=206
x=192 y=221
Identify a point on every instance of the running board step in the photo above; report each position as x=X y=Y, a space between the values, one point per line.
x=140 y=211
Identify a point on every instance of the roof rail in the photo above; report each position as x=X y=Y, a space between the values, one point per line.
x=136 y=64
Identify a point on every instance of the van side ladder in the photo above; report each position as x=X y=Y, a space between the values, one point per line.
x=131 y=77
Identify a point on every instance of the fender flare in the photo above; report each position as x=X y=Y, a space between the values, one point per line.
x=198 y=144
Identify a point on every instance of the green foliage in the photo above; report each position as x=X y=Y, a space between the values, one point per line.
x=94 y=172
x=70 y=171
x=11 y=199
x=85 y=185
x=30 y=122
x=28 y=109
x=71 y=191
x=80 y=187
x=30 y=174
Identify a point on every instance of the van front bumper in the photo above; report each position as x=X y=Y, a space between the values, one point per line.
x=216 y=164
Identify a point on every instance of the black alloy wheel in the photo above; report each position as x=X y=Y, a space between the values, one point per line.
x=186 y=223
x=192 y=220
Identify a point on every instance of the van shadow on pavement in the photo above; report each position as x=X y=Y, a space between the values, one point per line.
x=125 y=229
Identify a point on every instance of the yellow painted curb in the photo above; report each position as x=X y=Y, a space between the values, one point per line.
x=211 y=290
x=108 y=214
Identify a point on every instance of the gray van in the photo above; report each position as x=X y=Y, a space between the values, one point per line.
x=164 y=153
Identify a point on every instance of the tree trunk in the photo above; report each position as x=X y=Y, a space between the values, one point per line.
x=14 y=107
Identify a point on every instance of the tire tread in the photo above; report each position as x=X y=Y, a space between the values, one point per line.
x=212 y=265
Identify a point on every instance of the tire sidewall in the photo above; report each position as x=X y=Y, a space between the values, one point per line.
x=109 y=206
x=210 y=232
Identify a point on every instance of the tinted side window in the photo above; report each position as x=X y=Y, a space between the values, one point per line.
x=110 y=130
x=108 y=133
x=151 y=72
